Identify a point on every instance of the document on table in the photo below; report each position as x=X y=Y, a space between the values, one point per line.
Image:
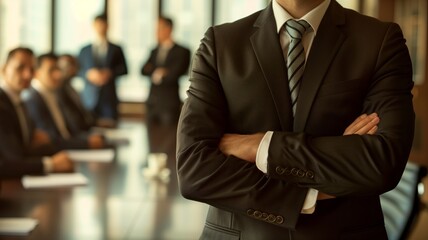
x=54 y=180
x=114 y=136
x=99 y=155
x=17 y=226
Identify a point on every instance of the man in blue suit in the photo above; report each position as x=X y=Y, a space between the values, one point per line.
x=100 y=64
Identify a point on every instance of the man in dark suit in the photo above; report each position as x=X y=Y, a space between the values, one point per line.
x=69 y=97
x=166 y=64
x=100 y=64
x=261 y=152
x=46 y=110
x=23 y=149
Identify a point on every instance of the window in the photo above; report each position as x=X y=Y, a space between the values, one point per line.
x=25 y=23
x=191 y=19
x=73 y=26
x=132 y=26
x=228 y=11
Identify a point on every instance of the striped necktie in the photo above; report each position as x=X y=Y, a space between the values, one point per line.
x=295 y=57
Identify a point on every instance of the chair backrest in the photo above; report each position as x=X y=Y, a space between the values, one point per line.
x=417 y=205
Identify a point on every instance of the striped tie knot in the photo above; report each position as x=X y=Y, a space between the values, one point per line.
x=296 y=29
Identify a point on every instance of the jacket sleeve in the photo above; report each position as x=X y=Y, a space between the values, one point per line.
x=14 y=160
x=119 y=67
x=150 y=65
x=205 y=173
x=357 y=165
x=179 y=67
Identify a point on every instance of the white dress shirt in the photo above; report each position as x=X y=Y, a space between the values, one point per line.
x=314 y=18
x=99 y=49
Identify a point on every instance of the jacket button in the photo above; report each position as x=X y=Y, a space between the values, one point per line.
x=279 y=170
x=264 y=216
x=257 y=214
x=279 y=220
x=271 y=218
x=310 y=174
x=294 y=171
x=250 y=212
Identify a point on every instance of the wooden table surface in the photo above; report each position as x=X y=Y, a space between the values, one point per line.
x=117 y=203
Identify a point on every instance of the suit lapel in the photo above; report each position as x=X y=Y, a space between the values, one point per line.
x=14 y=115
x=327 y=42
x=169 y=55
x=266 y=46
x=109 y=54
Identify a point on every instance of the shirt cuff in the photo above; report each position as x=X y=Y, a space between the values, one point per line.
x=47 y=164
x=310 y=201
x=262 y=152
x=262 y=164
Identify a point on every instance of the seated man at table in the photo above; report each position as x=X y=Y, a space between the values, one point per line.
x=72 y=104
x=46 y=111
x=24 y=150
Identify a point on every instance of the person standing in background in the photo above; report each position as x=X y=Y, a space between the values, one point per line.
x=165 y=65
x=24 y=150
x=100 y=64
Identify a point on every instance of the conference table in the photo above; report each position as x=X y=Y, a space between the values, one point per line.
x=118 y=202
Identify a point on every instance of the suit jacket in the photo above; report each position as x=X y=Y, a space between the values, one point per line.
x=16 y=157
x=74 y=109
x=165 y=96
x=356 y=65
x=93 y=95
x=43 y=119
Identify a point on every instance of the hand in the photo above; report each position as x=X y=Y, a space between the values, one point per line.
x=96 y=142
x=241 y=146
x=364 y=124
x=94 y=76
x=105 y=75
x=157 y=75
x=62 y=163
x=40 y=138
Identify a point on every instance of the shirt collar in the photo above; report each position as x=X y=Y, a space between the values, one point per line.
x=313 y=17
x=14 y=96
x=100 y=42
x=42 y=89
x=168 y=44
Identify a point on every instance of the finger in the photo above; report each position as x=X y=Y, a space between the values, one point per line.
x=359 y=123
x=356 y=121
x=367 y=127
x=373 y=130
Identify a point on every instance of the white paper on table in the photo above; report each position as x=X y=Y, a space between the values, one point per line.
x=99 y=155
x=17 y=226
x=114 y=136
x=117 y=137
x=54 y=180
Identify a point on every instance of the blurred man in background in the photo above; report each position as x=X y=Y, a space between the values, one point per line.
x=73 y=106
x=101 y=62
x=23 y=149
x=46 y=109
x=166 y=64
